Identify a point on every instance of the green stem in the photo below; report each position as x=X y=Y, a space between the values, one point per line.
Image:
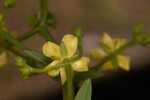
x=23 y=37
x=118 y=51
x=15 y=52
x=64 y=89
x=57 y=66
x=69 y=84
x=80 y=46
x=28 y=34
x=32 y=54
x=8 y=37
x=43 y=10
x=43 y=14
x=46 y=33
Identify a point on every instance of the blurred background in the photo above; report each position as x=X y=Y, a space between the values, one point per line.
x=116 y=17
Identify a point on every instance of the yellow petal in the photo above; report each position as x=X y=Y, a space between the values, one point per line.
x=53 y=73
x=81 y=65
x=118 y=42
x=124 y=62
x=3 y=59
x=97 y=54
x=63 y=75
x=107 y=40
x=108 y=66
x=52 y=50
x=71 y=43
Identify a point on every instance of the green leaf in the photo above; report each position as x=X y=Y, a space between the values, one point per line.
x=115 y=62
x=38 y=57
x=85 y=92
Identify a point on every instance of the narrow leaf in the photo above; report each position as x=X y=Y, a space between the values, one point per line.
x=85 y=92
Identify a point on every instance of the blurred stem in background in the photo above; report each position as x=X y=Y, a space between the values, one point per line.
x=43 y=19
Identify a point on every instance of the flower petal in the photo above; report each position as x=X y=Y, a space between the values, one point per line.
x=107 y=40
x=52 y=50
x=3 y=59
x=118 y=42
x=124 y=62
x=108 y=66
x=53 y=73
x=63 y=75
x=81 y=65
x=71 y=43
x=97 y=54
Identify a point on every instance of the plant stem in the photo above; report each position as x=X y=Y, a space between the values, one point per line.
x=80 y=46
x=28 y=34
x=69 y=84
x=43 y=14
x=15 y=52
x=8 y=37
x=32 y=54
x=46 y=33
x=43 y=10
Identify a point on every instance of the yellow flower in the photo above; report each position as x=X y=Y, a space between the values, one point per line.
x=52 y=50
x=112 y=44
x=3 y=59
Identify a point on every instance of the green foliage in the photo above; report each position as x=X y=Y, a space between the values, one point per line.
x=85 y=92
x=28 y=61
x=9 y=3
x=38 y=57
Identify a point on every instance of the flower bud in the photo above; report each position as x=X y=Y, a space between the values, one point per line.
x=20 y=61
x=79 y=32
x=25 y=69
x=143 y=39
x=25 y=72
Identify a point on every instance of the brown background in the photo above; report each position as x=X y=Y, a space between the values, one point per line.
x=95 y=16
